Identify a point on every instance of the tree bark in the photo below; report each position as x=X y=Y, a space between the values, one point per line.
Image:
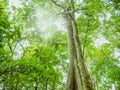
x=80 y=58
x=72 y=28
x=71 y=82
x=74 y=76
x=78 y=71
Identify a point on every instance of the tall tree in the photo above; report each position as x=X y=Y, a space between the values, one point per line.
x=77 y=65
x=79 y=54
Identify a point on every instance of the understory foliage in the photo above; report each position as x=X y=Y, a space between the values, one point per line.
x=33 y=43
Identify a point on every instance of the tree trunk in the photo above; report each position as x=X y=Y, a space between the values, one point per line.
x=71 y=82
x=36 y=85
x=85 y=74
x=16 y=87
x=74 y=76
x=75 y=53
x=80 y=58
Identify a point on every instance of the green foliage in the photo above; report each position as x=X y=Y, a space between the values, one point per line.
x=43 y=64
x=37 y=66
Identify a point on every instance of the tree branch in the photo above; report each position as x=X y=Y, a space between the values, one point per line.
x=10 y=47
x=70 y=11
x=57 y=4
x=88 y=25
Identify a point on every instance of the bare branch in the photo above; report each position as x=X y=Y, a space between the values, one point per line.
x=70 y=11
x=57 y=4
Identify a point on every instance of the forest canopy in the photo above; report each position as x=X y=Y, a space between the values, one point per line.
x=59 y=44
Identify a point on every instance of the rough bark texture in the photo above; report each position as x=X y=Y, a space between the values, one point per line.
x=77 y=65
x=71 y=82
x=80 y=58
x=85 y=74
x=74 y=76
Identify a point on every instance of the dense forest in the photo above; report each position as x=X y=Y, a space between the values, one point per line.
x=59 y=44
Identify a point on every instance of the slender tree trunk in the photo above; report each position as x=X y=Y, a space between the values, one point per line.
x=36 y=85
x=16 y=87
x=46 y=84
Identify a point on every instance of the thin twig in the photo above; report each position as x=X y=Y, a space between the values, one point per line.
x=23 y=49
x=10 y=47
x=88 y=25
